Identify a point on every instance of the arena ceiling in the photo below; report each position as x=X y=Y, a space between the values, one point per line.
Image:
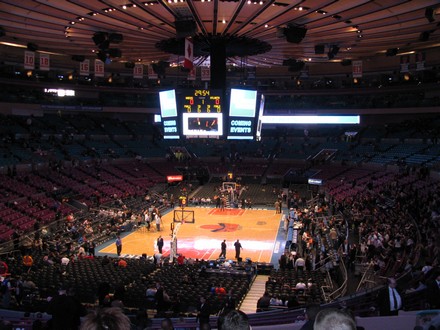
x=258 y=33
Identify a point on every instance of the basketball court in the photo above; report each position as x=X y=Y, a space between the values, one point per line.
x=257 y=229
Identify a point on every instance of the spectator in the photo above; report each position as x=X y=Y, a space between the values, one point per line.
x=204 y=311
x=311 y=312
x=111 y=318
x=390 y=300
x=334 y=319
x=167 y=324
x=264 y=302
x=433 y=291
x=235 y=320
x=66 y=311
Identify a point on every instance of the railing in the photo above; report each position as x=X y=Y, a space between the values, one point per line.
x=368 y=280
x=327 y=291
x=342 y=290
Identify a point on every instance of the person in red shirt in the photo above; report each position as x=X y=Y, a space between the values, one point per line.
x=122 y=263
x=3 y=268
x=180 y=259
x=28 y=262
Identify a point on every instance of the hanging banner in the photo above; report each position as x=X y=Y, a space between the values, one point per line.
x=44 y=62
x=151 y=74
x=206 y=73
x=404 y=63
x=99 y=68
x=138 y=71
x=84 y=68
x=192 y=74
x=357 y=69
x=189 y=52
x=29 y=60
x=420 y=61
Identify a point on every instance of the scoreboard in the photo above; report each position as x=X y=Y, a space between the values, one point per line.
x=203 y=101
x=202 y=113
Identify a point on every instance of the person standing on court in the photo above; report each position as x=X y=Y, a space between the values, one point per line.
x=160 y=244
x=223 y=249
x=238 y=249
x=158 y=220
x=118 y=245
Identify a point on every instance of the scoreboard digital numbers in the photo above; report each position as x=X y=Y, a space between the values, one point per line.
x=203 y=101
x=202 y=113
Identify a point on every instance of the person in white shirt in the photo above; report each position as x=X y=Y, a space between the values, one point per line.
x=65 y=261
x=158 y=220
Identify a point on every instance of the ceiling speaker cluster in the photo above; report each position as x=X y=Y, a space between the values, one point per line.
x=103 y=41
x=159 y=67
x=332 y=52
x=392 y=52
x=294 y=34
x=78 y=58
x=185 y=28
x=319 y=49
x=429 y=14
x=294 y=65
x=424 y=36
x=32 y=47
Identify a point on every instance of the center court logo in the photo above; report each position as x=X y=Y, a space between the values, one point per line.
x=222 y=227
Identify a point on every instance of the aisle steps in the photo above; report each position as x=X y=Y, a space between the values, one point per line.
x=249 y=304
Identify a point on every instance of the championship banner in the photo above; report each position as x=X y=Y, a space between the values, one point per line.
x=192 y=74
x=151 y=74
x=99 y=68
x=205 y=73
x=420 y=61
x=189 y=50
x=29 y=60
x=357 y=69
x=84 y=68
x=44 y=62
x=138 y=71
x=404 y=63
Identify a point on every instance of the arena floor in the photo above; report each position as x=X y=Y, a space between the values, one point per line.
x=259 y=231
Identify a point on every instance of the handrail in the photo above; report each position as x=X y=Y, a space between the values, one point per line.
x=339 y=292
x=366 y=279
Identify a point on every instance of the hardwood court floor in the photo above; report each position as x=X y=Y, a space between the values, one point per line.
x=255 y=228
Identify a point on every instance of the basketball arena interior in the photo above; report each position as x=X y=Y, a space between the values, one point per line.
x=268 y=157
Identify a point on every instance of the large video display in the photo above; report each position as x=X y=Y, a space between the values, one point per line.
x=169 y=114
x=242 y=108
